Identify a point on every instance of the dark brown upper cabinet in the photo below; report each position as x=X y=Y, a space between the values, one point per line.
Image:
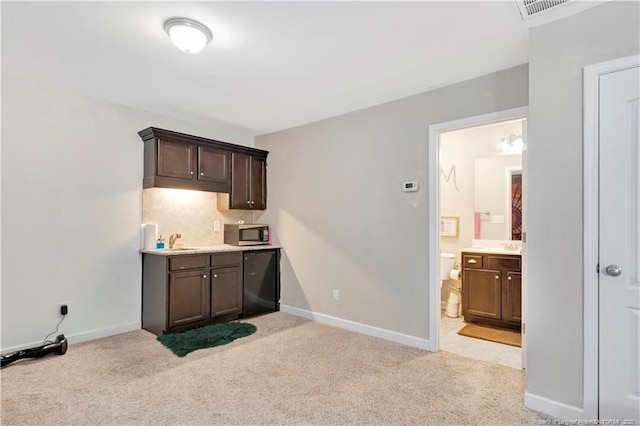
x=178 y=160
x=248 y=182
x=213 y=165
x=175 y=160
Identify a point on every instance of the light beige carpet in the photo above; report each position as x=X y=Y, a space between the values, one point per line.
x=291 y=371
x=492 y=334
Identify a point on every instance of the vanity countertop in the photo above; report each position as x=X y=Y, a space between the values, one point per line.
x=492 y=250
x=207 y=249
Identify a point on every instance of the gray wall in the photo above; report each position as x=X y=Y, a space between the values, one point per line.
x=336 y=202
x=558 y=52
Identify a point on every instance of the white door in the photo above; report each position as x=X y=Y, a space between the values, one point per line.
x=619 y=247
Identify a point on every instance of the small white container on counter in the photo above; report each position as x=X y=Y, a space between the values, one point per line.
x=149 y=235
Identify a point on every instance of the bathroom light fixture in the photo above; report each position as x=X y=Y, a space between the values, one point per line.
x=187 y=34
x=511 y=143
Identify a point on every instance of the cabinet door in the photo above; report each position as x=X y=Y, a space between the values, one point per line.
x=175 y=159
x=226 y=291
x=258 y=185
x=481 y=293
x=213 y=165
x=188 y=297
x=240 y=178
x=512 y=298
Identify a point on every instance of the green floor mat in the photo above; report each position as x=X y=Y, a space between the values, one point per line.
x=206 y=337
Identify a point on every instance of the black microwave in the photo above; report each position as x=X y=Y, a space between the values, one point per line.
x=246 y=234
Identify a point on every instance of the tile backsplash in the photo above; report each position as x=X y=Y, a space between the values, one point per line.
x=190 y=213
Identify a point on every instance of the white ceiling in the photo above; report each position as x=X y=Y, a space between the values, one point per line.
x=270 y=66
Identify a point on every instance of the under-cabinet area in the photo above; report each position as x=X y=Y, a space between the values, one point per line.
x=182 y=291
x=492 y=289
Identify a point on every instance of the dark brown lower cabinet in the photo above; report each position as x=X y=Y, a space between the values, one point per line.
x=226 y=291
x=492 y=289
x=512 y=298
x=482 y=294
x=188 y=297
x=186 y=291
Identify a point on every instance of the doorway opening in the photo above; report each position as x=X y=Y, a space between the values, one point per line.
x=477 y=207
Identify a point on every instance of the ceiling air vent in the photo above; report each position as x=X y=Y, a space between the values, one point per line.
x=531 y=8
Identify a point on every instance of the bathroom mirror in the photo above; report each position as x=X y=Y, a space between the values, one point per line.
x=498 y=197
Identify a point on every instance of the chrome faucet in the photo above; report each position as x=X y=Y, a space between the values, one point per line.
x=173 y=238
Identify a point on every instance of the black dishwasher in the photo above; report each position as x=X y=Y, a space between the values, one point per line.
x=260 y=282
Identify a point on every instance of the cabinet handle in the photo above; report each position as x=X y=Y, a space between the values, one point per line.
x=472 y=261
x=509 y=278
x=201 y=173
x=204 y=276
x=215 y=275
x=497 y=277
x=190 y=173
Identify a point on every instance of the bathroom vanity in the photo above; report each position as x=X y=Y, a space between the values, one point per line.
x=492 y=287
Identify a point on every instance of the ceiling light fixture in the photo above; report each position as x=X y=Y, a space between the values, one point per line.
x=511 y=143
x=187 y=34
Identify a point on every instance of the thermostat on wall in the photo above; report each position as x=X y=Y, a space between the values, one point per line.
x=410 y=186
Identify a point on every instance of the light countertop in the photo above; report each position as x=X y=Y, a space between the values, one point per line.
x=207 y=249
x=491 y=250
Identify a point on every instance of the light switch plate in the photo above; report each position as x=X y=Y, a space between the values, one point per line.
x=497 y=218
x=216 y=226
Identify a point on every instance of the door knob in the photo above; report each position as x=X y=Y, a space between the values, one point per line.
x=613 y=270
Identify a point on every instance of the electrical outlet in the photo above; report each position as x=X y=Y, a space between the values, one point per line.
x=63 y=309
x=336 y=295
x=216 y=226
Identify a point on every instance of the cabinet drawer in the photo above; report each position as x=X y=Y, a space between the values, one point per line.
x=499 y=262
x=226 y=259
x=472 y=261
x=178 y=263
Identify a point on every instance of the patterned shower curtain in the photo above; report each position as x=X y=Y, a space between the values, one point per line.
x=516 y=207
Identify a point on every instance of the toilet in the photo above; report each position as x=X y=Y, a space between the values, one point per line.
x=447 y=261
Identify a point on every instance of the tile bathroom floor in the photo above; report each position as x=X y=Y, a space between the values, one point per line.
x=496 y=353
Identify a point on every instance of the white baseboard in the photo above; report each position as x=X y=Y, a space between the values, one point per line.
x=83 y=336
x=555 y=409
x=104 y=332
x=369 y=330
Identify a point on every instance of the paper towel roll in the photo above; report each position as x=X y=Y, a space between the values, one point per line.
x=149 y=235
x=455 y=274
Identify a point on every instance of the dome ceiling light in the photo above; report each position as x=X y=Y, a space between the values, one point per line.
x=511 y=143
x=187 y=34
